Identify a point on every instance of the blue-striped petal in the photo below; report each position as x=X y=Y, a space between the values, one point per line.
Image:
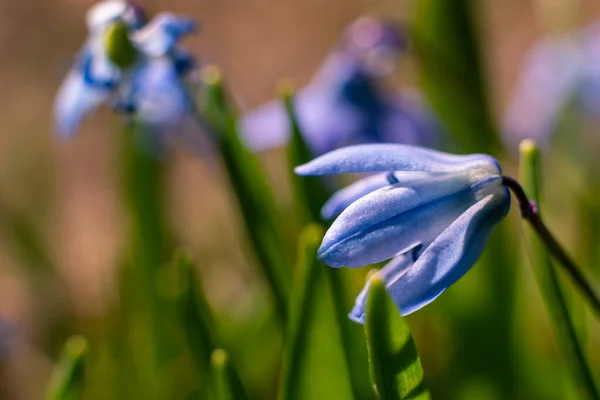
x=348 y=195
x=384 y=222
x=450 y=256
x=160 y=36
x=391 y=272
x=86 y=87
x=393 y=157
x=158 y=95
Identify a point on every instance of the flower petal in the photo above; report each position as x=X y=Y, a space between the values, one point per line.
x=450 y=256
x=158 y=94
x=84 y=89
x=393 y=157
x=101 y=14
x=387 y=221
x=265 y=127
x=552 y=73
x=160 y=35
x=348 y=195
x=391 y=272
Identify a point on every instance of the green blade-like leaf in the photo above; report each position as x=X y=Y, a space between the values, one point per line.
x=248 y=181
x=225 y=381
x=148 y=249
x=549 y=285
x=395 y=366
x=310 y=194
x=194 y=313
x=445 y=40
x=301 y=310
x=68 y=378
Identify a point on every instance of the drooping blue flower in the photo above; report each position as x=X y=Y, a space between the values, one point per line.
x=93 y=77
x=156 y=93
x=558 y=70
x=348 y=101
x=152 y=90
x=430 y=212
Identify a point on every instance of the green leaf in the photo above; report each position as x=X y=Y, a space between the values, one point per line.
x=302 y=308
x=550 y=288
x=67 y=380
x=149 y=246
x=396 y=370
x=249 y=184
x=226 y=383
x=445 y=41
x=193 y=311
x=310 y=195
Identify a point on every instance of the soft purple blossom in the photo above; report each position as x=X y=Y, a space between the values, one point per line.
x=558 y=70
x=430 y=213
x=348 y=101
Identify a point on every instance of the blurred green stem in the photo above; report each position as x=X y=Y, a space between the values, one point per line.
x=226 y=383
x=542 y=243
x=311 y=194
x=249 y=185
x=68 y=376
x=301 y=311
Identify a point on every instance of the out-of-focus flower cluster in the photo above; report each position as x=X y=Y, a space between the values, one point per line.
x=557 y=71
x=349 y=100
x=137 y=65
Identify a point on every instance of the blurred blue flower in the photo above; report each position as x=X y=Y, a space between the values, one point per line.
x=7 y=337
x=152 y=91
x=93 y=78
x=431 y=212
x=156 y=93
x=348 y=102
x=557 y=71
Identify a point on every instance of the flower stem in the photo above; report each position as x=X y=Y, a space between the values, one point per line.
x=530 y=212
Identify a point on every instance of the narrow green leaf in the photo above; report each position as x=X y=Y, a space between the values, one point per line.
x=226 y=383
x=301 y=310
x=148 y=249
x=445 y=40
x=395 y=366
x=67 y=380
x=249 y=184
x=309 y=192
x=194 y=313
x=550 y=288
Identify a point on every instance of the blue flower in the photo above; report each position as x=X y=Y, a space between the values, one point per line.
x=93 y=78
x=558 y=70
x=430 y=212
x=348 y=102
x=156 y=93
x=152 y=91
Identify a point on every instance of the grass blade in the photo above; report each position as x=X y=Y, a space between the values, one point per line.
x=68 y=377
x=311 y=194
x=451 y=71
x=301 y=310
x=395 y=366
x=248 y=182
x=226 y=382
x=550 y=288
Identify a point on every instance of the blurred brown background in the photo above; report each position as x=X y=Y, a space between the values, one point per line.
x=69 y=189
